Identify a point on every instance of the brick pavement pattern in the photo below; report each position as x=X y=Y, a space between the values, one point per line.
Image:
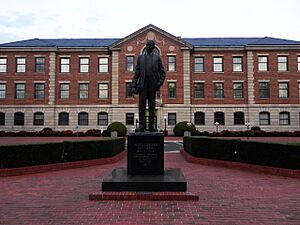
x=226 y=196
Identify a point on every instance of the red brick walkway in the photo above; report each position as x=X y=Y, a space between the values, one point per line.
x=226 y=196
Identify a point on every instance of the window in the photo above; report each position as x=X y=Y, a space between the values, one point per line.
x=38 y=119
x=19 y=119
x=263 y=63
x=103 y=65
x=238 y=90
x=239 y=118
x=172 y=119
x=102 y=118
x=218 y=64
x=199 y=90
x=2 y=91
x=264 y=89
x=65 y=65
x=237 y=64
x=129 y=118
x=128 y=90
x=83 y=119
x=283 y=89
x=63 y=119
x=64 y=91
x=39 y=91
x=218 y=90
x=264 y=118
x=84 y=65
x=2 y=119
x=298 y=62
x=299 y=89
x=199 y=64
x=129 y=63
x=284 y=118
x=282 y=63
x=83 y=91
x=40 y=64
x=3 y=65
x=21 y=65
x=20 y=91
x=219 y=117
x=199 y=118
x=172 y=90
x=172 y=63
x=103 y=91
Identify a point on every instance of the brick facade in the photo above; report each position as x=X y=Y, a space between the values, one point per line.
x=185 y=104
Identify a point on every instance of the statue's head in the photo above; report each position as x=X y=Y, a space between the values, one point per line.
x=150 y=45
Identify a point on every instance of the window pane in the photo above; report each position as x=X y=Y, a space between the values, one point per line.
x=64 y=91
x=264 y=118
x=19 y=119
x=237 y=64
x=2 y=119
x=2 y=91
x=129 y=118
x=238 y=90
x=102 y=119
x=218 y=90
x=83 y=91
x=282 y=63
x=103 y=91
x=20 y=91
x=199 y=90
x=262 y=63
x=239 y=118
x=172 y=90
x=63 y=119
x=128 y=90
x=83 y=119
x=264 y=91
x=40 y=64
x=199 y=64
x=129 y=63
x=199 y=118
x=298 y=62
x=84 y=65
x=65 y=65
x=283 y=90
x=171 y=118
x=218 y=64
x=219 y=117
x=39 y=91
x=103 y=65
x=38 y=119
x=3 y=65
x=21 y=65
x=172 y=63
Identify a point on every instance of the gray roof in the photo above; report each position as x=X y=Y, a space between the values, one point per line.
x=199 y=42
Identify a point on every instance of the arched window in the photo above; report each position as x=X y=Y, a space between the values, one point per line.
x=63 y=119
x=2 y=119
x=38 y=119
x=83 y=119
x=199 y=118
x=102 y=118
x=264 y=118
x=19 y=119
x=239 y=118
x=219 y=117
x=284 y=118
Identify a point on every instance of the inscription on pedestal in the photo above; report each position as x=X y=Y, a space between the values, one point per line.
x=145 y=153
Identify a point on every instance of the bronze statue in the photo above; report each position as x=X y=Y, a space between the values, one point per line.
x=148 y=78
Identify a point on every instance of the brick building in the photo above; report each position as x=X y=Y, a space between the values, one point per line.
x=62 y=83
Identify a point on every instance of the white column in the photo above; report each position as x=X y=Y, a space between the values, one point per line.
x=115 y=78
x=52 y=64
x=186 y=77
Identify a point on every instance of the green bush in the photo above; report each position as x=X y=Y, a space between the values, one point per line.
x=213 y=148
x=183 y=126
x=84 y=150
x=119 y=127
x=30 y=154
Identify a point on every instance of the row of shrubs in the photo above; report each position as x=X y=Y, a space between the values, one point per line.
x=255 y=131
x=48 y=132
x=284 y=155
x=12 y=156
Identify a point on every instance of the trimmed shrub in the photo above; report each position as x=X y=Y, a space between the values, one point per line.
x=284 y=155
x=118 y=127
x=255 y=128
x=183 y=126
x=84 y=150
x=213 y=148
x=30 y=154
x=93 y=132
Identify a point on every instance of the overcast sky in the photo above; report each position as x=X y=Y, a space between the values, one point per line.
x=25 y=19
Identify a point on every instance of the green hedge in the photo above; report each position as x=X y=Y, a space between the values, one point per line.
x=84 y=150
x=212 y=148
x=30 y=154
x=46 y=153
x=283 y=155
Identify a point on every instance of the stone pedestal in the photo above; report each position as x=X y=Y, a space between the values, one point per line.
x=145 y=168
x=145 y=153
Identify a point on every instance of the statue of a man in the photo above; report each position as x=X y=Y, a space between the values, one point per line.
x=148 y=78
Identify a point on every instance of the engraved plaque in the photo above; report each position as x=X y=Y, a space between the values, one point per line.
x=145 y=153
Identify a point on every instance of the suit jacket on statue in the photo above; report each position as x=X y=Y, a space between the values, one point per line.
x=157 y=72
